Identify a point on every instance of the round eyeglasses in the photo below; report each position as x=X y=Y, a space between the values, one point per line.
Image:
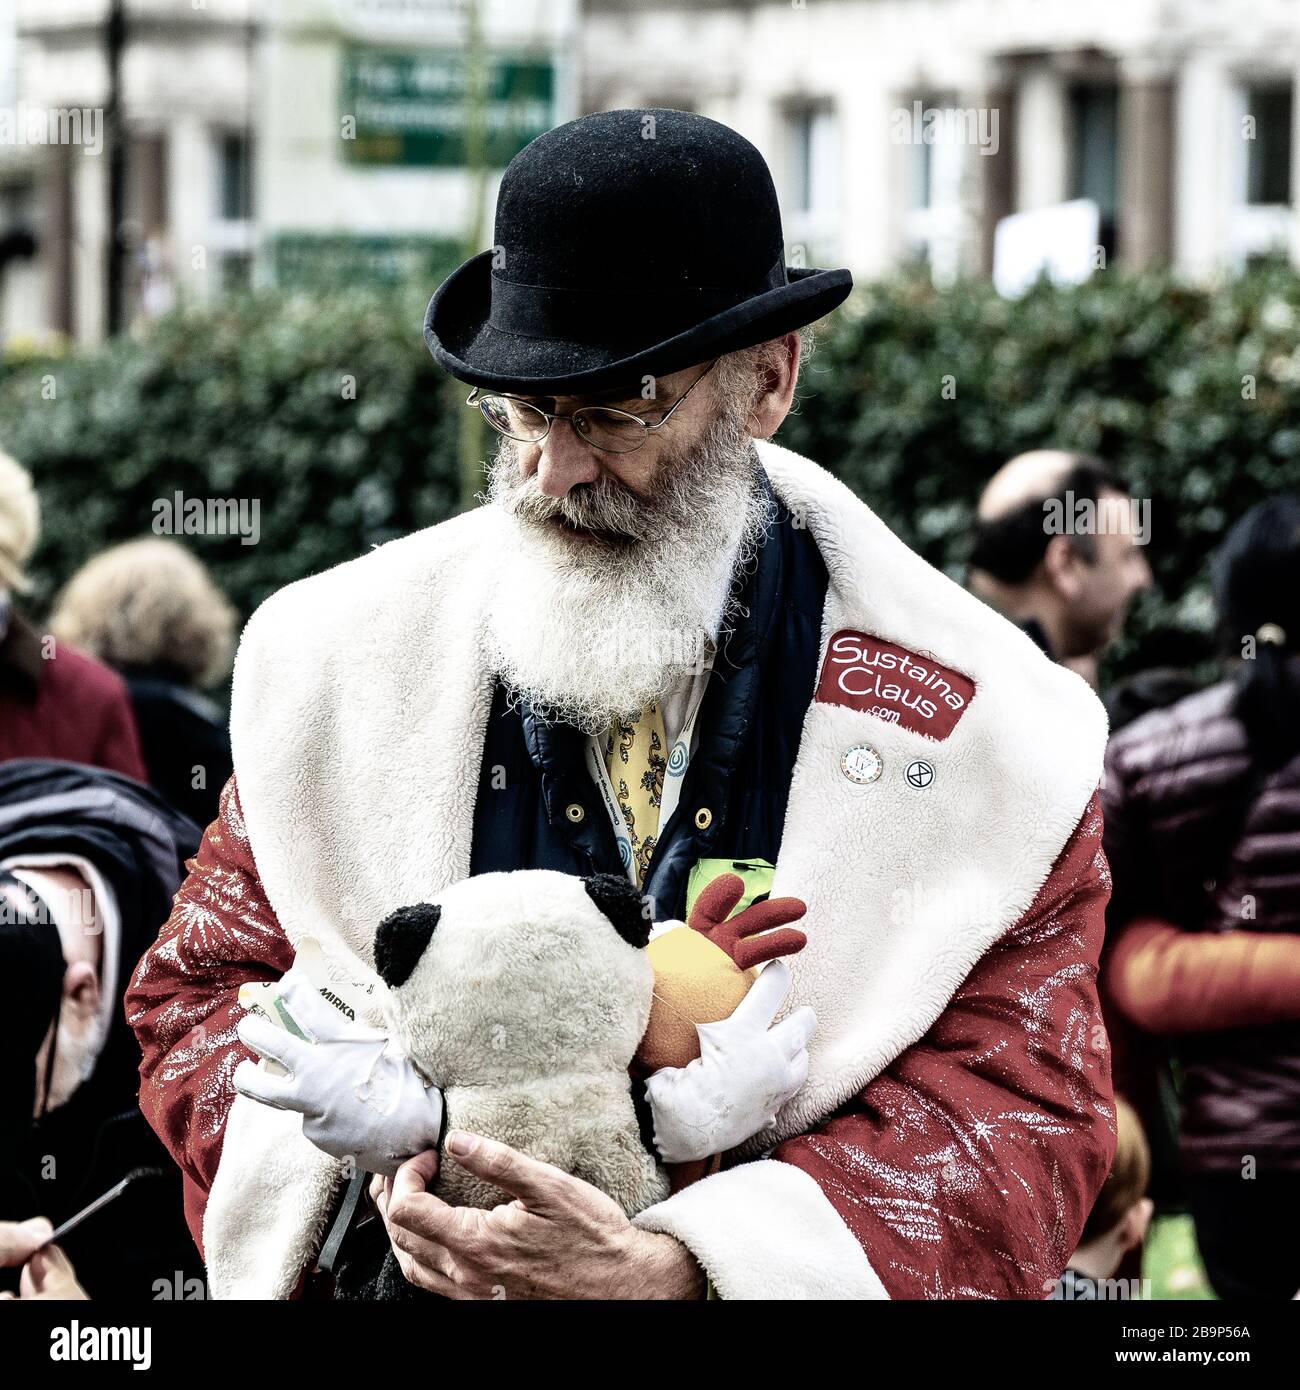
x=602 y=427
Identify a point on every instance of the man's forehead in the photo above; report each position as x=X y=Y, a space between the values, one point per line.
x=647 y=388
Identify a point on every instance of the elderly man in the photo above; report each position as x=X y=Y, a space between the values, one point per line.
x=663 y=648
x=89 y=862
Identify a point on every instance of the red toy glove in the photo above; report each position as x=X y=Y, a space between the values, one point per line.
x=748 y=937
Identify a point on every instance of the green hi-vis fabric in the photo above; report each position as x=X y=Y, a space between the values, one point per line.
x=756 y=874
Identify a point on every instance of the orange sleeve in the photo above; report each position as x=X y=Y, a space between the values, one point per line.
x=1169 y=982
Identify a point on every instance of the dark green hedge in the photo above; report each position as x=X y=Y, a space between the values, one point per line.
x=1147 y=372
x=249 y=400
x=328 y=412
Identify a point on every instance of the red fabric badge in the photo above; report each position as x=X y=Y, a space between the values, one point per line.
x=877 y=677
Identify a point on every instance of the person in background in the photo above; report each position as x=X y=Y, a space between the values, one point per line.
x=89 y=861
x=55 y=701
x=1202 y=807
x=1064 y=572
x=150 y=610
x=1119 y=1218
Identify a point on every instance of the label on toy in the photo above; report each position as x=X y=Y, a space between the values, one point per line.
x=876 y=677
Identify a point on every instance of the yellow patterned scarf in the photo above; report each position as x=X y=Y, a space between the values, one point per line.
x=636 y=761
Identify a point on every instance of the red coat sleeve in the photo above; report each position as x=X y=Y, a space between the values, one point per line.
x=183 y=999
x=968 y=1167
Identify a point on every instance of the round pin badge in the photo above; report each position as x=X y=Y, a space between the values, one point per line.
x=919 y=773
x=861 y=764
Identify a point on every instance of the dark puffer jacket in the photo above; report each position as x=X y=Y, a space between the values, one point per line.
x=1196 y=835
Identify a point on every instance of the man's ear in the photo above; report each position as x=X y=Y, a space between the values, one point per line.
x=625 y=907
x=81 y=987
x=401 y=939
x=775 y=392
x=1063 y=566
x=1134 y=1224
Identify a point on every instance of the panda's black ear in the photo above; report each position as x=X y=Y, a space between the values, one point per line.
x=401 y=939
x=623 y=905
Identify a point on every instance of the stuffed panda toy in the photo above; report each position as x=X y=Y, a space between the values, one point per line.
x=524 y=997
x=532 y=999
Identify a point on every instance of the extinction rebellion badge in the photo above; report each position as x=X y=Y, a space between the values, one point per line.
x=919 y=774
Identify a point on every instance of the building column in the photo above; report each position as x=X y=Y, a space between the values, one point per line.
x=993 y=174
x=1042 y=172
x=90 y=247
x=1146 y=167
x=1203 y=187
x=57 y=238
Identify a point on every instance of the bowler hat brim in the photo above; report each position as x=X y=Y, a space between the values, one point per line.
x=464 y=342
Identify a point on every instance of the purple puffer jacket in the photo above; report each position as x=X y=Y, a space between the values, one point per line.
x=1196 y=837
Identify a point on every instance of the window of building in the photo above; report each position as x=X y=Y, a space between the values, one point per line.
x=1260 y=221
x=1268 y=150
x=812 y=179
x=932 y=137
x=1094 y=153
x=234 y=176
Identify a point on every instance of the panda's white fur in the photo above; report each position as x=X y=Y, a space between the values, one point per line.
x=526 y=1007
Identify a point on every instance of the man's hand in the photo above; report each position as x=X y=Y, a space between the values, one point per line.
x=746 y=1071
x=48 y=1273
x=359 y=1096
x=559 y=1238
x=19 y=1240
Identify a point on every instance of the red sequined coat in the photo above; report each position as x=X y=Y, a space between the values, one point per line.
x=965 y=1170
x=957 y=1119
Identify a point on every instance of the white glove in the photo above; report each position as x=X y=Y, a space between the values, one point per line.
x=360 y=1096
x=746 y=1071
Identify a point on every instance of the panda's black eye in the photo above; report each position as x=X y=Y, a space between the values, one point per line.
x=626 y=908
x=401 y=939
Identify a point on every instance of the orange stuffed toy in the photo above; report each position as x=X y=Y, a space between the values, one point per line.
x=703 y=970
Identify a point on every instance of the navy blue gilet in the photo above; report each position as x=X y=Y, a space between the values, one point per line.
x=533 y=773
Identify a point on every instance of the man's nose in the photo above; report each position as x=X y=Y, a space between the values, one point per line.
x=564 y=461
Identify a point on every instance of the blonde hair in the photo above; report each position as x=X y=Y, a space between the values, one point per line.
x=1126 y=1183
x=149 y=603
x=20 y=523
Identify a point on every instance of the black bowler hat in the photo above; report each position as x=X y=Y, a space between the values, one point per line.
x=628 y=243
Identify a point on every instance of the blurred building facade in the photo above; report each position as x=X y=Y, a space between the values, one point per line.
x=264 y=140
x=281 y=140
x=186 y=97
x=1176 y=117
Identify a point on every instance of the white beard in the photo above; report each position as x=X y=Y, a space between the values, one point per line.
x=587 y=629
